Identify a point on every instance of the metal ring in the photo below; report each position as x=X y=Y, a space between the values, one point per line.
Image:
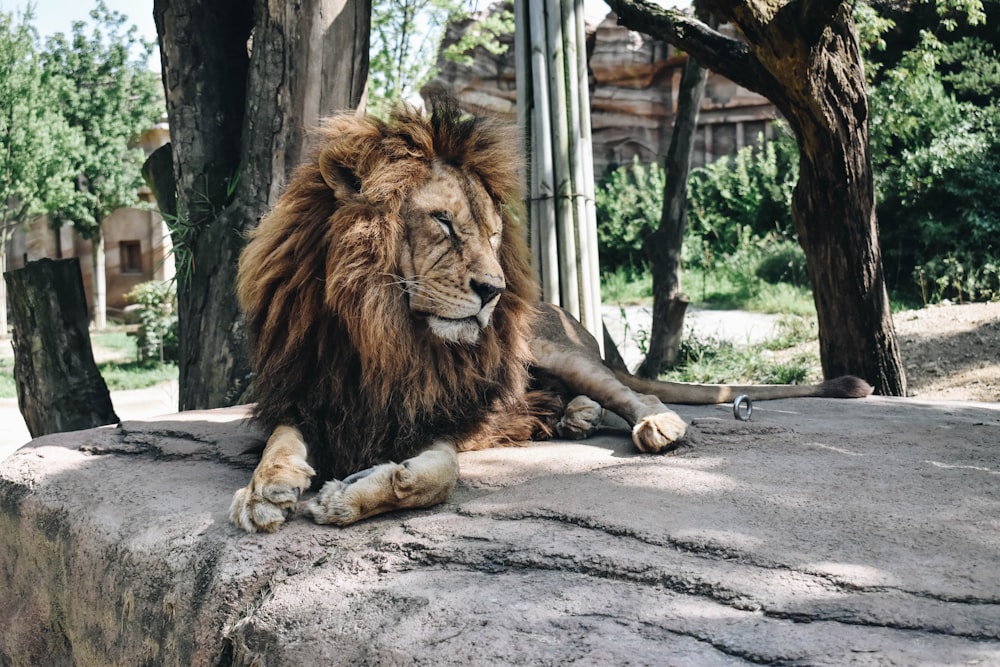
x=742 y=400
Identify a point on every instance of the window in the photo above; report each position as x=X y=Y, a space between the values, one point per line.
x=130 y=256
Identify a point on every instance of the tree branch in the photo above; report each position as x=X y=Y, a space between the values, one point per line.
x=713 y=50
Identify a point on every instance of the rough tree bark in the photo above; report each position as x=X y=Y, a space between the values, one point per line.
x=803 y=56
x=58 y=385
x=664 y=245
x=239 y=109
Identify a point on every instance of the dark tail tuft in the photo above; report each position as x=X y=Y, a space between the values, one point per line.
x=846 y=386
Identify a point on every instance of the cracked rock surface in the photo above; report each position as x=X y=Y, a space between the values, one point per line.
x=823 y=532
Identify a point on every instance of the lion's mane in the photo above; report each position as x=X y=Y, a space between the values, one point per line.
x=335 y=350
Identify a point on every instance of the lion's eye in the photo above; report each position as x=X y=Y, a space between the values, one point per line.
x=444 y=219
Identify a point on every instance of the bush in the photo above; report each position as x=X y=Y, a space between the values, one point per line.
x=783 y=261
x=749 y=192
x=937 y=169
x=157 y=320
x=628 y=203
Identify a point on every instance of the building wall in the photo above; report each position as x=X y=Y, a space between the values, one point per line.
x=127 y=225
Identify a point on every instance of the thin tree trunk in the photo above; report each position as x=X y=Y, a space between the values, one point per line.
x=58 y=385
x=99 y=280
x=3 y=289
x=664 y=246
x=238 y=126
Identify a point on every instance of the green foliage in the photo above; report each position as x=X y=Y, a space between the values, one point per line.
x=625 y=286
x=120 y=375
x=936 y=156
x=115 y=353
x=487 y=32
x=157 y=303
x=629 y=202
x=405 y=37
x=783 y=262
x=962 y=278
x=36 y=143
x=750 y=191
x=739 y=251
x=406 y=41
x=8 y=387
x=104 y=90
x=970 y=68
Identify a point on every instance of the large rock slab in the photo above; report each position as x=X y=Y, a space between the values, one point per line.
x=821 y=532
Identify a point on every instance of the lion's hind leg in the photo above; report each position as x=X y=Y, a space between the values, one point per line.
x=282 y=474
x=424 y=480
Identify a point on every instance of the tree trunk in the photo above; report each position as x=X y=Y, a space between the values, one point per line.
x=803 y=56
x=99 y=280
x=234 y=146
x=664 y=246
x=834 y=212
x=834 y=206
x=158 y=172
x=58 y=385
x=3 y=291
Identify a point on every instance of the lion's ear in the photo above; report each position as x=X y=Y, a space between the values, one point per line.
x=340 y=178
x=351 y=144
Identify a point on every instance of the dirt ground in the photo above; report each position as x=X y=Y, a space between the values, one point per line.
x=952 y=351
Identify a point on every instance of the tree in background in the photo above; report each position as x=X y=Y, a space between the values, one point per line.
x=405 y=35
x=238 y=120
x=935 y=145
x=36 y=143
x=665 y=244
x=103 y=89
x=804 y=57
x=406 y=42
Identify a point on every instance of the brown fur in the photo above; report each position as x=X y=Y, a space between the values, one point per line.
x=335 y=349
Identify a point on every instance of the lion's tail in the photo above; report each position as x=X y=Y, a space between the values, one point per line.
x=847 y=386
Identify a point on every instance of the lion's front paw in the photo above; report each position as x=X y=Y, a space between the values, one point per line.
x=580 y=419
x=658 y=432
x=333 y=505
x=265 y=503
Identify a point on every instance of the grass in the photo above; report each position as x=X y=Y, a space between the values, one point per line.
x=120 y=375
x=715 y=361
x=116 y=357
x=790 y=357
x=627 y=288
x=717 y=290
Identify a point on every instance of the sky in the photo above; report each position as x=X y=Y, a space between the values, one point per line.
x=52 y=16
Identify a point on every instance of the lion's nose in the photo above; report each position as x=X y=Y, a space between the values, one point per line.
x=486 y=291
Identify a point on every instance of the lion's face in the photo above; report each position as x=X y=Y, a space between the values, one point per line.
x=449 y=259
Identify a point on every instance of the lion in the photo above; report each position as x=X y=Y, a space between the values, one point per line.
x=394 y=321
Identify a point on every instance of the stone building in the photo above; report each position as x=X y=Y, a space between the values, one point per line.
x=634 y=81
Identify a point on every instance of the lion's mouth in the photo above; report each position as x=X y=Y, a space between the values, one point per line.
x=464 y=330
